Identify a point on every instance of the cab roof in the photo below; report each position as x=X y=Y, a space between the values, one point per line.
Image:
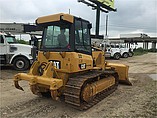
x=6 y=34
x=54 y=18
x=2 y=33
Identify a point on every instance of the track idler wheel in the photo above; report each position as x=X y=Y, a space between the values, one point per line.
x=87 y=94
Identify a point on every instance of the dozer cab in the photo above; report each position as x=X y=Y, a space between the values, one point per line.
x=69 y=67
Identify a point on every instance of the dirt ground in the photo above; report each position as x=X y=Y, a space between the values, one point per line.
x=139 y=100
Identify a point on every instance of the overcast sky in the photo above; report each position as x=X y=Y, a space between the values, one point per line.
x=132 y=16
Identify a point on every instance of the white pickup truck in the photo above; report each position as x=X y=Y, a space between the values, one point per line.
x=125 y=52
x=111 y=51
x=116 y=50
x=12 y=53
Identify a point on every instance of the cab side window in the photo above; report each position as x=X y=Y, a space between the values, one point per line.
x=82 y=37
x=1 y=40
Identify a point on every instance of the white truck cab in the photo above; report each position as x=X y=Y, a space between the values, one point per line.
x=111 y=51
x=125 y=52
x=12 y=53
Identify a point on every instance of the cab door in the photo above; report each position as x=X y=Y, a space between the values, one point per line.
x=3 y=50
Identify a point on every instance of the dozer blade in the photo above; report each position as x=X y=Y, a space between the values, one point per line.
x=122 y=71
x=126 y=82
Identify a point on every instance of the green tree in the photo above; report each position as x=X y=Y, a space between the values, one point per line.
x=22 y=41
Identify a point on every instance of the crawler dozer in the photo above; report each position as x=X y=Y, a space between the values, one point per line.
x=68 y=67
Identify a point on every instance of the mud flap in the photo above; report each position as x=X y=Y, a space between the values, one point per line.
x=122 y=71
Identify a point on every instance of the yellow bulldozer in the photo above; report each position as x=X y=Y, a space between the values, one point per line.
x=68 y=66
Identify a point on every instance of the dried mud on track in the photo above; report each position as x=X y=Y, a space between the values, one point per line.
x=139 y=100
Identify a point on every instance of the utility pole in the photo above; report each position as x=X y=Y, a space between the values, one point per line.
x=20 y=36
x=69 y=11
x=97 y=20
x=106 y=34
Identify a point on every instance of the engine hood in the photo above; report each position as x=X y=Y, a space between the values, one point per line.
x=21 y=48
x=21 y=45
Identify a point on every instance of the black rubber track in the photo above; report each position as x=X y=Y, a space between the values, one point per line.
x=75 y=85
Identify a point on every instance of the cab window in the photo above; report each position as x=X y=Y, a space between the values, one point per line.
x=82 y=37
x=56 y=37
x=117 y=46
x=112 y=46
x=1 y=40
x=10 y=39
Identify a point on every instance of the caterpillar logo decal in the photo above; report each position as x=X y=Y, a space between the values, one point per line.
x=82 y=66
x=57 y=64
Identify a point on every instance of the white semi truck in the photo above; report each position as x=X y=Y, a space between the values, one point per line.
x=12 y=53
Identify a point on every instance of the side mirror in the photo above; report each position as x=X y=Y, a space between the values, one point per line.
x=89 y=26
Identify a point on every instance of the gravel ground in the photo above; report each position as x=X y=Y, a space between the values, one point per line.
x=139 y=100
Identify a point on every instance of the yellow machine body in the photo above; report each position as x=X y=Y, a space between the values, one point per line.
x=55 y=79
x=64 y=72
